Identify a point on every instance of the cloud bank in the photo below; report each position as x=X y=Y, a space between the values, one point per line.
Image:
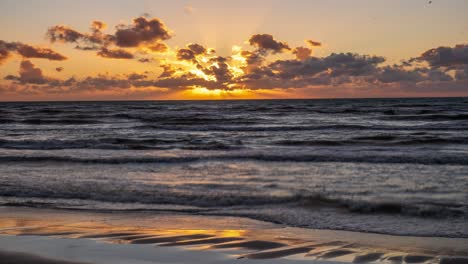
x=264 y=64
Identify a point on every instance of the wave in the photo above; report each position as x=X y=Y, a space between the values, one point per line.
x=253 y=128
x=206 y=202
x=398 y=158
x=386 y=140
x=428 y=117
x=61 y=121
x=187 y=120
x=6 y=121
x=121 y=143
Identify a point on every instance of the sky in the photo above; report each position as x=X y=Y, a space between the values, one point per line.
x=207 y=49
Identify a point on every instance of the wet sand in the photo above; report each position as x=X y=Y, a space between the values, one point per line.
x=43 y=236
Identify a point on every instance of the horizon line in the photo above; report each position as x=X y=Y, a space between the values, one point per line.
x=233 y=99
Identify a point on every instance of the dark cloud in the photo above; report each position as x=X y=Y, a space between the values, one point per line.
x=115 y=54
x=445 y=56
x=5 y=50
x=41 y=53
x=312 y=43
x=136 y=76
x=63 y=33
x=335 y=68
x=185 y=54
x=142 y=31
x=84 y=41
x=168 y=71
x=27 y=51
x=28 y=74
x=392 y=74
x=266 y=42
x=102 y=82
x=191 y=52
x=334 y=65
x=197 y=48
x=59 y=69
x=253 y=60
x=220 y=70
x=462 y=73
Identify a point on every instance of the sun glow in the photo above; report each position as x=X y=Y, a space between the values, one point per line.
x=205 y=93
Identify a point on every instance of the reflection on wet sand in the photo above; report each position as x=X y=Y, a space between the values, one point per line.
x=238 y=243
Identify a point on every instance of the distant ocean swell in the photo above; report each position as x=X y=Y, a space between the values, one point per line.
x=398 y=159
x=202 y=143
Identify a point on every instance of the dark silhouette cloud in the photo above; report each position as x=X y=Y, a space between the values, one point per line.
x=63 y=33
x=42 y=53
x=266 y=42
x=29 y=73
x=102 y=82
x=185 y=54
x=252 y=57
x=392 y=74
x=313 y=71
x=27 y=51
x=462 y=73
x=142 y=31
x=313 y=43
x=197 y=48
x=191 y=52
x=168 y=71
x=84 y=41
x=220 y=70
x=136 y=76
x=115 y=54
x=445 y=56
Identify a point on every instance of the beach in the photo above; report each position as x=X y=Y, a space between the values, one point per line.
x=67 y=236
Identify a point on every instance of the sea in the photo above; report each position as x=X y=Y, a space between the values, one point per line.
x=393 y=166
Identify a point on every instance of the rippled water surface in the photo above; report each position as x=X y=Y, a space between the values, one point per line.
x=395 y=166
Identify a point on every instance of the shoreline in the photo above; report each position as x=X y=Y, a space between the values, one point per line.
x=217 y=238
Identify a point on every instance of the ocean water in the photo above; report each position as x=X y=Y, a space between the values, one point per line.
x=395 y=166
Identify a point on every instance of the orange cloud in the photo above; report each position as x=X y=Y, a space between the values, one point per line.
x=27 y=51
x=196 y=71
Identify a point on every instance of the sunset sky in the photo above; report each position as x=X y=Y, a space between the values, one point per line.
x=145 y=50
